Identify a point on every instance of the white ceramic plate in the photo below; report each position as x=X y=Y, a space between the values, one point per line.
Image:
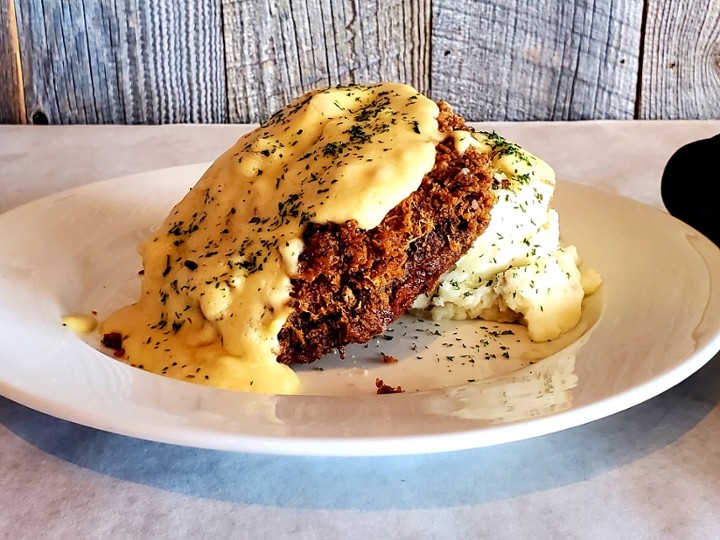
x=654 y=322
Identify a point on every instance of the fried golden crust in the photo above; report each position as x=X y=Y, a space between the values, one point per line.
x=352 y=283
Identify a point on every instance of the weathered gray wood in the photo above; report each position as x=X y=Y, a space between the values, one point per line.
x=681 y=62
x=536 y=60
x=278 y=49
x=111 y=61
x=12 y=110
x=158 y=61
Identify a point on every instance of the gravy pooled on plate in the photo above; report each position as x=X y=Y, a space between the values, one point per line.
x=217 y=274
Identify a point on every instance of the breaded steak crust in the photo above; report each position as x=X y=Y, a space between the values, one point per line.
x=352 y=283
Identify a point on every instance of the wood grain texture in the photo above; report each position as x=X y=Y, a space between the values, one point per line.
x=681 y=63
x=161 y=61
x=12 y=109
x=536 y=60
x=111 y=61
x=279 y=49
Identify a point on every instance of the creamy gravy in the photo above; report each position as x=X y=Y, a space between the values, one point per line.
x=216 y=282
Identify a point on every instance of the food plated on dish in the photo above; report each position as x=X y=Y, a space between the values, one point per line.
x=654 y=321
x=321 y=227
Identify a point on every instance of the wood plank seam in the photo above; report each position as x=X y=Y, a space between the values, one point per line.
x=15 y=45
x=641 y=59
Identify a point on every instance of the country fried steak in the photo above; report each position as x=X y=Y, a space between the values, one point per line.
x=351 y=284
x=349 y=206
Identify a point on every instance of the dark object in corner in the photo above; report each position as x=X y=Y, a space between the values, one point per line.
x=691 y=186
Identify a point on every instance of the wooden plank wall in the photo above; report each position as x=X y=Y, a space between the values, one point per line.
x=11 y=98
x=111 y=61
x=681 y=79
x=279 y=49
x=163 y=61
x=556 y=61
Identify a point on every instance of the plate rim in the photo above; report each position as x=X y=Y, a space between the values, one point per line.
x=369 y=445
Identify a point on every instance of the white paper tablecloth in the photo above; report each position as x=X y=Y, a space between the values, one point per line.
x=652 y=471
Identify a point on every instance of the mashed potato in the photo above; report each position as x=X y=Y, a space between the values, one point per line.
x=516 y=270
